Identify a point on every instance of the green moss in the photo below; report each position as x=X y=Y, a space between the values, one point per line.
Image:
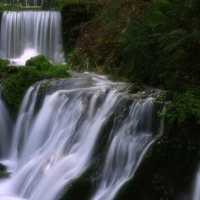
x=16 y=80
x=79 y=188
x=4 y=174
x=4 y=63
x=40 y=62
x=184 y=108
x=57 y=71
x=16 y=84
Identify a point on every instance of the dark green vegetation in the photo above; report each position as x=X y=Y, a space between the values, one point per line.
x=3 y=172
x=16 y=80
x=80 y=188
x=9 y=7
x=73 y=17
x=153 y=43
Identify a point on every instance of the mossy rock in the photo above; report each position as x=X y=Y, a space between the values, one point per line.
x=39 y=61
x=16 y=84
x=16 y=80
x=79 y=188
x=168 y=169
x=4 y=174
x=2 y=167
x=3 y=171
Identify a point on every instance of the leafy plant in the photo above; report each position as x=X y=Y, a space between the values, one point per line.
x=9 y=7
x=16 y=84
x=4 y=174
x=185 y=107
x=4 y=63
x=40 y=62
x=16 y=80
x=58 y=4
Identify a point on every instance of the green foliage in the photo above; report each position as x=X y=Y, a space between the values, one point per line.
x=185 y=107
x=16 y=84
x=74 y=15
x=9 y=7
x=59 y=4
x=16 y=80
x=157 y=180
x=4 y=63
x=6 y=71
x=160 y=47
x=40 y=62
x=57 y=71
x=79 y=188
x=4 y=174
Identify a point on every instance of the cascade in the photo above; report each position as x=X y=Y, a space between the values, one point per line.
x=196 y=192
x=58 y=131
x=127 y=148
x=29 y=33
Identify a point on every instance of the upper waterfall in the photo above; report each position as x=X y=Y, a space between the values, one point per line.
x=29 y=33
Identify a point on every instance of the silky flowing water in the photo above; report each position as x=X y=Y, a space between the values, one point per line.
x=30 y=33
x=58 y=129
x=196 y=192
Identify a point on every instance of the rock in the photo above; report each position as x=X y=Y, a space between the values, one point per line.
x=2 y=167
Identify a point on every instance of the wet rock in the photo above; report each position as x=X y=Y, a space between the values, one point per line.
x=2 y=167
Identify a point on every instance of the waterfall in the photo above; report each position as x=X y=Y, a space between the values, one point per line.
x=127 y=149
x=29 y=33
x=58 y=130
x=196 y=192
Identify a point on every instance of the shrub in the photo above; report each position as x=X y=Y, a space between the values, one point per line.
x=57 y=71
x=16 y=84
x=185 y=107
x=16 y=80
x=39 y=61
x=4 y=63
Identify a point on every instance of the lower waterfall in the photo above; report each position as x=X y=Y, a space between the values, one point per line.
x=59 y=128
x=196 y=192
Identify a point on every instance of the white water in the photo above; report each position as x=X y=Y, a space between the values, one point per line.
x=196 y=192
x=127 y=149
x=52 y=147
x=29 y=33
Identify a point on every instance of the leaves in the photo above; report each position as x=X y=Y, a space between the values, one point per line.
x=184 y=108
x=16 y=80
